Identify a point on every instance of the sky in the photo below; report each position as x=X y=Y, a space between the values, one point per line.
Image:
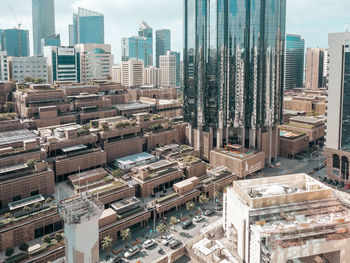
x=313 y=19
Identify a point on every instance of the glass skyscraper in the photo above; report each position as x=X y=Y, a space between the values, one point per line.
x=16 y=42
x=88 y=27
x=162 y=43
x=43 y=15
x=233 y=68
x=294 y=63
x=139 y=47
x=54 y=41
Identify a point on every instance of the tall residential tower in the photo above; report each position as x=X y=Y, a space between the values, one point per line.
x=315 y=76
x=233 y=73
x=162 y=43
x=43 y=15
x=294 y=63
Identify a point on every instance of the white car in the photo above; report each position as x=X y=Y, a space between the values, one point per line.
x=198 y=219
x=167 y=239
x=148 y=243
x=131 y=252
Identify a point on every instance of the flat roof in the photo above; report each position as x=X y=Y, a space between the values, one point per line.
x=306 y=119
x=9 y=137
x=133 y=106
x=135 y=158
x=160 y=164
x=25 y=202
x=74 y=148
x=12 y=168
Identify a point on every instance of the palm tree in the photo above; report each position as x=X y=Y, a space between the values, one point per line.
x=173 y=221
x=107 y=244
x=126 y=235
x=190 y=206
x=161 y=229
x=203 y=199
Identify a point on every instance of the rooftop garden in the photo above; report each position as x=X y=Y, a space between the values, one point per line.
x=84 y=130
x=108 y=187
x=190 y=159
x=131 y=212
x=167 y=197
x=8 y=116
x=160 y=173
x=156 y=117
x=18 y=151
x=156 y=127
x=300 y=125
x=124 y=124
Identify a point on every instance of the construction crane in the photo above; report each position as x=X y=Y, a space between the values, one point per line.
x=13 y=13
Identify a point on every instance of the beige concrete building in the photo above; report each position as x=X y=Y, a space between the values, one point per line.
x=292 y=143
x=117 y=74
x=314 y=70
x=239 y=160
x=132 y=73
x=152 y=76
x=291 y=218
x=96 y=61
x=167 y=67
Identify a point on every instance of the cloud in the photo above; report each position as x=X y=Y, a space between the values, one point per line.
x=313 y=19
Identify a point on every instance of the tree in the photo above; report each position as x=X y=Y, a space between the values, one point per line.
x=7 y=215
x=161 y=228
x=217 y=195
x=104 y=126
x=126 y=235
x=203 y=199
x=23 y=246
x=173 y=221
x=26 y=209
x=58 y=237
x=8 y=107
x=190 y=206
x=48 y=200
x=117 y=173
x=30 y=163
x=37 y=205
x=47 y=239
x=107 y=244
x=28 y=79
x=9 y=251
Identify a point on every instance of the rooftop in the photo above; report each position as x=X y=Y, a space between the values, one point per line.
x=133 y=106
x=306 y=119
x=237 y=151
x=136 y=158
x=9 y=137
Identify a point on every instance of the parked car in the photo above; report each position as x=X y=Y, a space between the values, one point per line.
x=323 y=178
x=209 y=212
x=218 y=208
x=197 y=219
x=316 y=168
x=335 y=182
x=347 y=187
x=329 y=181
x=174 y=243
x=299 y=157
x=148 y=243
x=187 y=224
x=167 y=239
x=341 y=184
x=160 y=250
x=132 y=252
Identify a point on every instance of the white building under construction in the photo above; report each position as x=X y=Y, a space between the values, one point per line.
x=286 y=219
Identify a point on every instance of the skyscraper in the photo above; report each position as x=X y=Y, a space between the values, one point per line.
x=294 y=62
x=167 y=66
x=337 y=149
x=88 y=27
x=3 y=66
x=233 y=73
x=71 y=35
x=16 y=42
x=139 y=47
x=178 y=70
x=162 y=43
x=54 y=40
x=132 y=73
x=315 y=68
x=43 y=15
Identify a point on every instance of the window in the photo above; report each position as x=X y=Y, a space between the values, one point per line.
x=34 y=193
x=336 y=161
x=16 y=198
x=345 y=167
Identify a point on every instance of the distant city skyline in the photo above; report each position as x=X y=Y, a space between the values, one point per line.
x=311 y=19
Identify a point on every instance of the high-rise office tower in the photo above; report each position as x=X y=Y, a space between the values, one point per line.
x=152 y=76
x=315 y=68
x=16 y=42
x=337 y=149
x=294 y=62
x=43 y=15
x=132 y=73
x=117 y=74
x=88 y=27
x=71 y=35
x=3 y=66
x=96 y=61
x=162 y=43
x=178 y=70
x=54 y=40
x=139 y=47
x=167 y=66
x=63 y=64
x=1 y=39
x=233 y=73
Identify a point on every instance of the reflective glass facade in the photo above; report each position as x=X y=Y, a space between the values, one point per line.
x=43 y=13
x=177 y=55
x=162 y=43
x=88 y=27
x=345 y=133
x=16 y=42
x=294 y=65
x=233 y=62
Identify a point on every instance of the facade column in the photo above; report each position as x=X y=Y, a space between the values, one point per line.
x=219 y=138
x=270 y=145
x=277 y=141
x=243 y=136
x=252 y=138
x=258 y=135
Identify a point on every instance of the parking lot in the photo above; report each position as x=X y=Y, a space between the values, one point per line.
x=151 y=254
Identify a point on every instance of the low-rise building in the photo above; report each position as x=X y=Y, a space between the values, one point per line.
x=286 y=219
x=292 y=143
x=239 y=160
x=21 y=67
